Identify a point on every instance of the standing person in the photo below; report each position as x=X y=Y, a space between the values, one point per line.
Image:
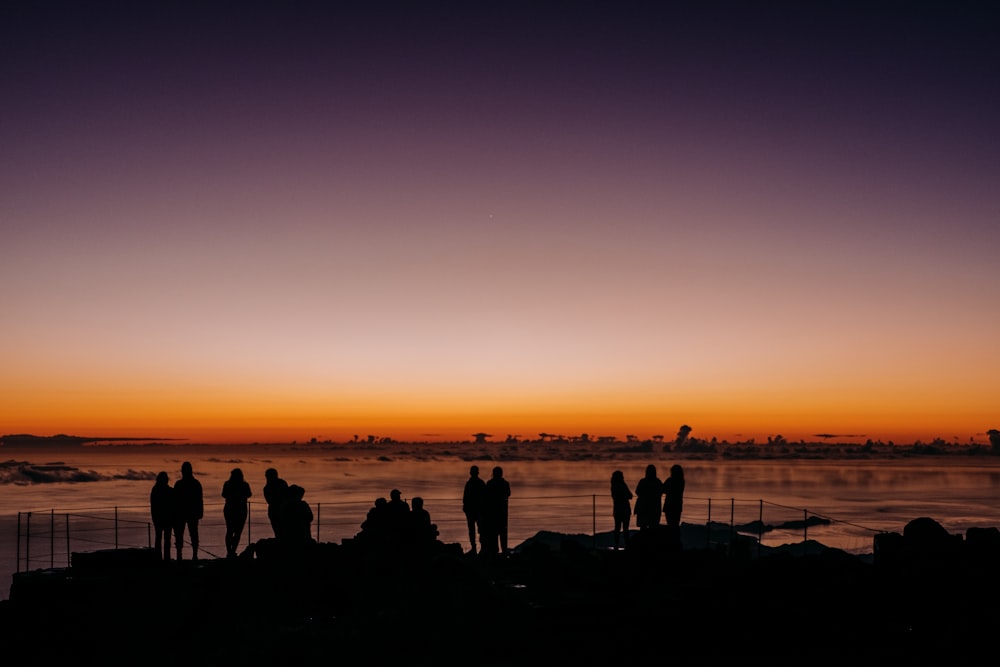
x=648 y=493
x=673 y=502
x=161 y=509
x=495 y=513
x=472 y=504
x=275 y=492
x=621 y=499
x=190 y=507
x=237 y=492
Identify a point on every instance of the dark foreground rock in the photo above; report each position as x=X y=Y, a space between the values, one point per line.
x=552 y=601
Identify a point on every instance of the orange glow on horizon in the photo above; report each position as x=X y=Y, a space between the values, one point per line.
x=278 y=409
x=233 y=427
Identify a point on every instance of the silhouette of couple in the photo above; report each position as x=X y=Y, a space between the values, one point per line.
x=485 y=505
x=175 y=509
x=287 y=511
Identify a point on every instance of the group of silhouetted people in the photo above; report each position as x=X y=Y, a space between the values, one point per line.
x=393 y=523
x=652 y=498
x=484 y=502
x=180 y=507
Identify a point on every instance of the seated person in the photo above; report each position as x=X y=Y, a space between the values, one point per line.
x=420 y=520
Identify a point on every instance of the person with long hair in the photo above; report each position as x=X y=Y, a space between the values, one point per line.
x=673 y=502
x=621 y=498
x=161 y=508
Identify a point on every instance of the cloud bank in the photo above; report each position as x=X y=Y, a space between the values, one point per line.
x=22 y=473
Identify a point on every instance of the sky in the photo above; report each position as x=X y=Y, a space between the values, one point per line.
x=255 y=222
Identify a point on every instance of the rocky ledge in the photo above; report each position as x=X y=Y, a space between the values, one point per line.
x=925 y=597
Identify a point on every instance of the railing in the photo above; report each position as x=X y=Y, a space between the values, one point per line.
x=49 y=538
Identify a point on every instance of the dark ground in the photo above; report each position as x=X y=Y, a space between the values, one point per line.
x=554 y=600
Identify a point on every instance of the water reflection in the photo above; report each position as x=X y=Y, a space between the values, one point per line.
x=569 y=496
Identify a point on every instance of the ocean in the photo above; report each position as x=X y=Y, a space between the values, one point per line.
x=54 y=502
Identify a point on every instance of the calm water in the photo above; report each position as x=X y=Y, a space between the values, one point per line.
x=108 y=500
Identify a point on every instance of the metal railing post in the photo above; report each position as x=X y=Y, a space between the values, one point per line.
x=760 y=527
x=805 y=532
x=27 y=543
x=708 y=526
x=17 y=566
x=69 y=562
x=319 y=510
x=732 y=524
x=593 y=511
x=116 y=526
x=52 y=538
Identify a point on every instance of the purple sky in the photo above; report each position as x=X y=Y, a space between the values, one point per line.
x=749 y=217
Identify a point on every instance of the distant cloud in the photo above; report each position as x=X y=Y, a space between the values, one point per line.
x=22 y=473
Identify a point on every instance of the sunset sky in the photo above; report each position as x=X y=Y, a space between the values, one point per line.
x=424 y=220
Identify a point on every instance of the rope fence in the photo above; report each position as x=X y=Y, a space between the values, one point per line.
x=49 y=538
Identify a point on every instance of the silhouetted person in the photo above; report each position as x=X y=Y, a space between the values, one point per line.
x=376 y=518
x=472 y=504
x=190 y=508
x=237 y=492
x=423 y=530
x=374 y=528
x=397 y=509
x=161 y=509
x=397 y=513
x=296 y=517
x=621 y=498
x=648 y=493
x=494 y=517
x=673 y=502
x=275 y=492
